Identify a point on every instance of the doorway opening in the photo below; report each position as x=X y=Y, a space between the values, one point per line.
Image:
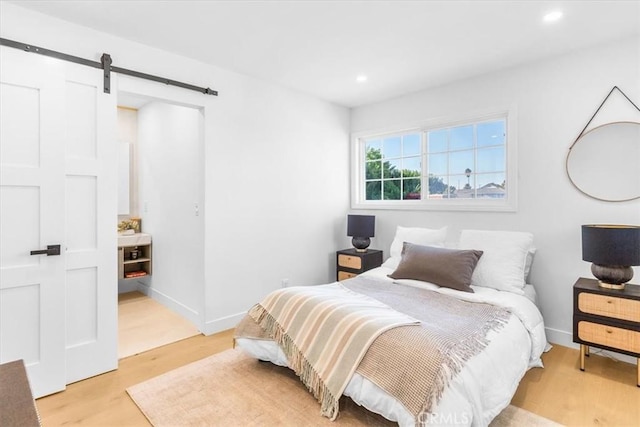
x=161 y=222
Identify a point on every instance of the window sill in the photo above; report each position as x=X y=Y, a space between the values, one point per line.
x=449 y=205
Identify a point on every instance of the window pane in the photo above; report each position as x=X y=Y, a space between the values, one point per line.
x=487 y=186
x=373 y=149
x=461 y=138
x=392 y=189
x=491 y=133
x=460 y=161
x=411 y=167
x=437 y=185
x=465 y=194
x=462 y=182
x=373 y=170
x=437 y=141
x=492 y=180
x=465 y=186
x=374 y=190
x=411 y=145
x=438 y=164
x=392 y=168
x=491 y=160
x=411 y=189
x=391 y=147
x=491 y=192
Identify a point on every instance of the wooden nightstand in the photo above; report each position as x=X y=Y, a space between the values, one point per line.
x=606 y=318
x=350 y=263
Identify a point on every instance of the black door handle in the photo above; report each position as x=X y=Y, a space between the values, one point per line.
x=51 y=250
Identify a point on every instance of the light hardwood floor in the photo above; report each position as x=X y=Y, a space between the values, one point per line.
x=103 y=401
x=144 y=323
x=604 y=395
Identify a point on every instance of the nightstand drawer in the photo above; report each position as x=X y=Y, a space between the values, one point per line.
x=606 y=318
x=609 y=306
x=344 y=275
x=609 y=336
x=348 y=261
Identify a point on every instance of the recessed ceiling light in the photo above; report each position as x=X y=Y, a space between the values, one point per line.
x=361 y=78
x=552 y=16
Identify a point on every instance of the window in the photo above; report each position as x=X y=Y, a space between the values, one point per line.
x=466 y=165
x=393 y=167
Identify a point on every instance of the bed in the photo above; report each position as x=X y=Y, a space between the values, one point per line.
x=485 y=383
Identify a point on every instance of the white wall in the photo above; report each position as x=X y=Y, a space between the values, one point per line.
x=171 y=183
x=277 y=208
x=554 y=101
x=276 y=165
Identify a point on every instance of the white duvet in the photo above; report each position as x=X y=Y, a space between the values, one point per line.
x=482 y=389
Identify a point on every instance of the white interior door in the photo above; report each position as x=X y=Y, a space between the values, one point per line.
x=59 y=186
x=32 y=288
x=91 y=181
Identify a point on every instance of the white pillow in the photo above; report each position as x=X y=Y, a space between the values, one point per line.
x=416 y=235
x=527 y=266
x=503 y=263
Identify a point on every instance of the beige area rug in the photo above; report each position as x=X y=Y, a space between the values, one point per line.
x=144 y=323
x=231 y=388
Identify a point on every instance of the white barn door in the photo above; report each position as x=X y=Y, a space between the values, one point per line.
x=90 y=224
x=32 y=289
x=57 y=186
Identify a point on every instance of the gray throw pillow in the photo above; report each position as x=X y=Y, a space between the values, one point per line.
x=450 y=268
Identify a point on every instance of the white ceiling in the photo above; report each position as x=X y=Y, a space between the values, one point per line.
x=319 y=47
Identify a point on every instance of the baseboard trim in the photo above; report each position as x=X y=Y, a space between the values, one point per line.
x=223 y=323
x=174 y=305
x=564 y=338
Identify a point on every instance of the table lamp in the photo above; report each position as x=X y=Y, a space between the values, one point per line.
x=361 y=228
x=612 y=249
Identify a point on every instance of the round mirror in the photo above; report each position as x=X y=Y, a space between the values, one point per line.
x=604 y=163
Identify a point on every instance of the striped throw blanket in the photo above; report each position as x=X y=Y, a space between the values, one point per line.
x=325 y=332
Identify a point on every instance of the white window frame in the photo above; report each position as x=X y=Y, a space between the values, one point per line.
x=507 y=204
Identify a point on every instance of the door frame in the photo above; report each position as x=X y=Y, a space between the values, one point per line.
x=129 y=86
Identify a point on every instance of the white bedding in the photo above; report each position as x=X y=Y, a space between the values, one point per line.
x=485 y=385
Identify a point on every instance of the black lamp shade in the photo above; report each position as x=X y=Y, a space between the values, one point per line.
x=604 y=244
x=361 y=225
